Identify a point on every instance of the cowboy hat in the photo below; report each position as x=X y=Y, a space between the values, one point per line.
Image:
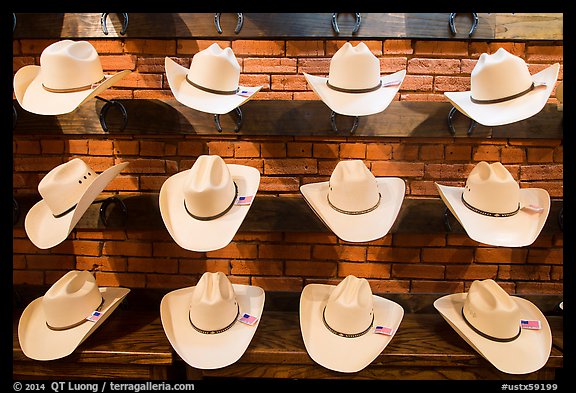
x=69 y=74
x=53 y=325
x=204 y=323
x=211 y=84
x=493 y=209
x=492 y=322
x=202 y=207
x=502 y=91
x=67 y=192
x=339 y=323
x=354 y=86
x=354 y=204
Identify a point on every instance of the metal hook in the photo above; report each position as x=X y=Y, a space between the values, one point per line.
x=333 y=122
x=356 y=24
x=104 y=111
x=14 y=116
x=238 y=120
x=447 y=215
x=238 y=24
x=15 y=211
x=451 y=114
x=453 y=27
x=561 y=219
x=103 y=17
x=13 y=22
x=106 y=202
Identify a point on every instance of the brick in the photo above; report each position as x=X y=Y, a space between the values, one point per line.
x=540 y=154
x=399 y=169
x=27 y=147
x=246 y=149
x=486 y=153
x=78 y=247
x=389 y=286
x=501 y=255
x=447 y=171
x=451 y=83
x=128 y=280
x=546 y=256
x=402 y=151
x=545 y=53
x=301 y=48
x=378 y=151
x=169 y=281
x=137 y=80
x=423 y=66
x=273 y=150
x=287 y=284
x=310 y=269
x=101 y=263
x=447 y=255
x=152 y=265
x=255 y=80
x=191 y=47
x=315 y=66
x=417 y=271
x=422 y=188
x=299 y=149
x=257 y=268
x=282 y=251
x=542 y=172
x=524 y=272
x=49 y=262
x=199 y=267
x=418 y=83
x=423 y=286
x=471 y=272
x=352 y=150
x=126 y=147
x=146 y=165
x=235 y=251
x=288 y=82
x=345 y=20
x=279 y=184
x=18 y=261
x=395 y=47
x=36 y=164
x=171 y=249
x=290 y=166
x=107 y=46
x=258 y=236
x=258 y=48
x=113 y=63
x=127 y=248
x=221 y=148
x=365 y=270
x=312 y=238
x=441 y=48
x=541 y=288
x=392 y=64
x=419 y=240
x=152 y=148
x=325 y=150
x=393 y=254
x=512 y=155
x=22 y=277
x=278 y=65
x=150 y=46
x=100 y=147
x=339 y=253
x=431 y=152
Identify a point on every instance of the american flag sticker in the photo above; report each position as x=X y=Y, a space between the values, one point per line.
x=244 y=93
x=244 y=200
x=530 y=324
x=383 y=330
x=94 y=316
x=248 y=319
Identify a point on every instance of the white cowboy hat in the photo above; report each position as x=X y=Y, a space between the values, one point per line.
x=489 y=320
x=354 y=204
x=69 y=74
x=354 y=86
x=211 y=84
x=204 y=323
x=502 y=91
x=53 y=325
x=202 y=207
x=67 y=192
x=338 y=323
x=494 y=210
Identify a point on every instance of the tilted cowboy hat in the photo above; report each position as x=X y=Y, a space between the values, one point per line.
x=338 y=323
x=502 y=91
x=67 y=192
x=52 y=326
x=203 y=322
x=200 y=206
x=493 y=209
x=354 y=86
x=489 y=320
x=354 y=204
x=69 y=74
x=211 y=84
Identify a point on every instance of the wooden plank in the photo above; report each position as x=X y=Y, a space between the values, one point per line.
x=534 y=25
x=281 y=117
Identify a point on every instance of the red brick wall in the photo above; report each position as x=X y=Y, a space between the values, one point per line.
x=407 y=263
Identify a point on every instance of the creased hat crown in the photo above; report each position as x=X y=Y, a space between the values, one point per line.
x=215 y=68
x=498 y=76
x=491 y=188
x=71 y=299
x=354 y=67
x=490 y=310
x=213 y=304
x=63 y=186
x=353 y=187
x=70 y=64
x=349 y=308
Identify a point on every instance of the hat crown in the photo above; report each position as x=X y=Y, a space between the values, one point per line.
x=352 y=187
x=64 y=185
x=491 y=188
x=499 y=75
x=215 y=68
x=213 y=304
x=209 y=189
x=71 y=299
x=349 y=308
x=489 y=309
x=354 y=67
x=70 y=64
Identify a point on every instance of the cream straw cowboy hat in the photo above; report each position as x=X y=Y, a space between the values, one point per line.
x=494 y=210
x=69 y=74
x=211 y=84
x=52 y=326
x=509 y=331
x=345 y=327
x=354 y=204
x=204 y=206
x=210 y=325
x=67 y=192
x=354 y=86
x=502 y=91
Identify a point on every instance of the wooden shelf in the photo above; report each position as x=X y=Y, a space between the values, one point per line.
x=282 y=117
x=491 y=26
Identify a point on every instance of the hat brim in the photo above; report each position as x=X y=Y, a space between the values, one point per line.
x=35 y=99
x=39 y=342
x=209 y=351
x=343 y=354
x=200 y=100
x=46 y=231
x=526 y=354
x=508 y=111
x=518 y=230
x=357 y=104
x=198 y=235
x=362 y=227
